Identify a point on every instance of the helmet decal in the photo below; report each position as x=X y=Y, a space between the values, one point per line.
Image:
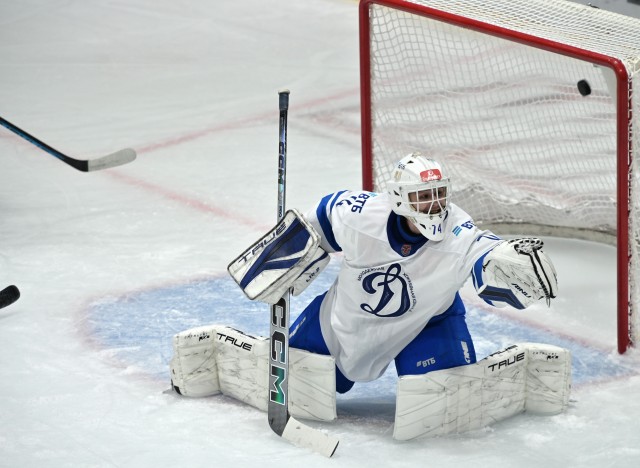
x=430 y=174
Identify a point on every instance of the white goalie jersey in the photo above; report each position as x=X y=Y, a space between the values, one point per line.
x=391 y=283
x=389 y=277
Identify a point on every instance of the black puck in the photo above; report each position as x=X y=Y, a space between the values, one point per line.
x=584 y=88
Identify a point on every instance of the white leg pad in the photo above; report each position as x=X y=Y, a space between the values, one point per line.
x=236 y=365
x=312 y=385
x=242 y=366
x=548 y=379
x=194 y=371
x=532 y=377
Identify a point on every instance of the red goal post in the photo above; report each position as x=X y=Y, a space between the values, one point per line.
x=529 y=104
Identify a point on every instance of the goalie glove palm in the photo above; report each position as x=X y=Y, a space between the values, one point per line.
x=516 y=272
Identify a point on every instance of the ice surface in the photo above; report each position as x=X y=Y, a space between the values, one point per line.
x=111 y=264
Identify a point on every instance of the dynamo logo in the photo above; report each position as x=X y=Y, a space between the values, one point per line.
x=387 y=285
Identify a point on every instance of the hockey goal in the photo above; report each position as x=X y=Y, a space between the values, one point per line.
x=527 y=103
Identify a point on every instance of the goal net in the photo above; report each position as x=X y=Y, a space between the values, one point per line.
x=528 y=104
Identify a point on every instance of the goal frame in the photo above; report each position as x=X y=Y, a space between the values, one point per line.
x=623 y=111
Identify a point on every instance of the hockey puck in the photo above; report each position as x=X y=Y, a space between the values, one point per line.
x=584 y=88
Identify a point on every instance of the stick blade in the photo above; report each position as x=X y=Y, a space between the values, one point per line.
x=118 y=158
x=304 y=436
x=9 y=295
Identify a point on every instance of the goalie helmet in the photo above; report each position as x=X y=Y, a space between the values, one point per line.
x=419 y=191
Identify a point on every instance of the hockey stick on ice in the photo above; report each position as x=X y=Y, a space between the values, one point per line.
x=9 y=295
x=111 y=160
x=280 y=420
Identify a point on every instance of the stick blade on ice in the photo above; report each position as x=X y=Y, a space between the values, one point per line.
x=304 y=436
x=112 y=160
x=9 y=295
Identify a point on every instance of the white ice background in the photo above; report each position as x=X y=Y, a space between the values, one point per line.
x=111 y=264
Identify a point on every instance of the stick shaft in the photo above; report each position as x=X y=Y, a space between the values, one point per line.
x=282 y=153
x=115 y=159
x=278 y=406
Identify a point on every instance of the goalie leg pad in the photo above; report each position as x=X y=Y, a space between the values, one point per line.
x=193 y=368
x=466 y=398
x=548 y=379
x=242 y=366
x=240 y=370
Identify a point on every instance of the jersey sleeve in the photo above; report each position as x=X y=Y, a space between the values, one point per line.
x=337 y=218
x=321 y=217
x=480 y=242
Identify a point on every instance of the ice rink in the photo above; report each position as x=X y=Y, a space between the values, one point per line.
x=111 y=264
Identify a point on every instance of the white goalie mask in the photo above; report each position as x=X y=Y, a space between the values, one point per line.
x=419 y=191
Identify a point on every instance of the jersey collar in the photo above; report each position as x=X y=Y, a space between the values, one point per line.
x=401 y=239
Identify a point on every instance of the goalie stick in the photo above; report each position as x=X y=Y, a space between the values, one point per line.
x=9 y=295
x=280 y=421
x=118 y=158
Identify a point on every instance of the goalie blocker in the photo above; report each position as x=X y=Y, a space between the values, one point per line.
x=287 y=257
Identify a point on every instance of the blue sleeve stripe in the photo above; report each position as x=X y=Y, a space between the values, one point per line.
x=476 y=273
x=322 y=212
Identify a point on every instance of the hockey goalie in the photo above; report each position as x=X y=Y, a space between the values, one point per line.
x=406 y=254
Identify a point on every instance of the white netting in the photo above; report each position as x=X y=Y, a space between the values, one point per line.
x=506 y=119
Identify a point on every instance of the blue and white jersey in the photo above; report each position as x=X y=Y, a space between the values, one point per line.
x=391 y=282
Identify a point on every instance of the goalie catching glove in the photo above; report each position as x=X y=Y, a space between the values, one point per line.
x=287 y=257
x=516 y=272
